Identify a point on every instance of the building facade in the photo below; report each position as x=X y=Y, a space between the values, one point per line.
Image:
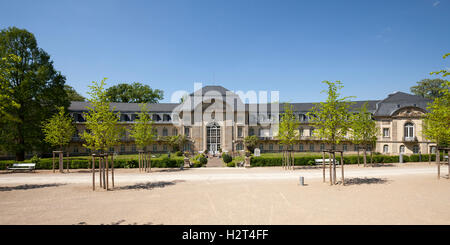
x=216 y=119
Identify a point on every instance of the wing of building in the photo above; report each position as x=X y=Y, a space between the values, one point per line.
x=215 y=118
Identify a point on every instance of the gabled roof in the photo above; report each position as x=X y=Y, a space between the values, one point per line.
x=398 y=100
x=212 y=88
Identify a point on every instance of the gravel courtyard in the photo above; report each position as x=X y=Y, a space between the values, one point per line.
x=391 y=194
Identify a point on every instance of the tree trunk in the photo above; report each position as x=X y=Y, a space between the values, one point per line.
x=334 y=168
x=100 y=172
x=93 y=173
x=342 y=168
x=149 y=162
x=107 y=172
x=371 y=156
x=358 y=156
x=53 y=161
x=331 y=171
x=112 y=170
x=323 y=165
x=448 y=163
x=438 y=163
x=365 y=156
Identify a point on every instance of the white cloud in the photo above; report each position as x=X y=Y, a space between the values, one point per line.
x=436 y=3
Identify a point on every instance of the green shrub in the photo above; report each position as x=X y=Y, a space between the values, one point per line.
x=178 y=153
x=226 y=158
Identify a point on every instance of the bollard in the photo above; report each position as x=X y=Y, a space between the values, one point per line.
x=302 y=181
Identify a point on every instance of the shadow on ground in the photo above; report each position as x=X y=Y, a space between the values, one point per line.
x=27 y=187
x=120 y=222
x=149 y=185
x=169 y=170
x=360 y=181
x=377 y=165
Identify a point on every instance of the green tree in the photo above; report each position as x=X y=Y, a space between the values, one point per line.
x=287 y=134
x=144 y=134
x=142 y=130
x=436 y=123
x=6 y=90
x=430 y=88
x=134 y=93
x=72 y=94
x=58 y=129
x=102 y=129
x=250 y=142
x=177 y=142
x=364 y=130
x=331 y=118
x=35 y=86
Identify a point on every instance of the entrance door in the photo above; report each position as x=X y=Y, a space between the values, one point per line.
x=213 y=137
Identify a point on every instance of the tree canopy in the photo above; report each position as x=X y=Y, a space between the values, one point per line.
x=436 y=123
x=6 y=90
x=36 y=90
x=134 y=93
x=288 y=127
x=363 y=127
x=142 y=130
x=250 y=142
x=102 y=129
x=332 y=117
x=58 y=129
x=430 y=88
x=72 y=94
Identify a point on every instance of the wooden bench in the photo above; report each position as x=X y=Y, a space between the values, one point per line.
x=22 y=166
x=320 y=161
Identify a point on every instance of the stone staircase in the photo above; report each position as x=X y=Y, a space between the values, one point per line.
x=215 y=162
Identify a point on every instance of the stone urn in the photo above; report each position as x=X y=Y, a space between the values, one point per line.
x=247 y=162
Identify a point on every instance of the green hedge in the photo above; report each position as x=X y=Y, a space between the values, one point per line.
x=164 y=162
x=262 y=161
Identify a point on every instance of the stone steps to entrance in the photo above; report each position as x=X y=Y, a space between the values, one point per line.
x=215 y=162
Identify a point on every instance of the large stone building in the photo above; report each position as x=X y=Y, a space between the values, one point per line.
x=215 y=118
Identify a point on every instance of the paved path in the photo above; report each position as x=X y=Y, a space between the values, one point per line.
x=213 y=174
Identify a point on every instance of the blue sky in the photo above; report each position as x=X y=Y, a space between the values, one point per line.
x=373 y=47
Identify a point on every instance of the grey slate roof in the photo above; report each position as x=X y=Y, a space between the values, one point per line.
x=384 y=107
x=210 y=88
x=400 y=100
x=305 y=107
x=126 y=107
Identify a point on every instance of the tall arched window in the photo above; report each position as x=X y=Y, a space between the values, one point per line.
x=409 y=131
x=385 y=149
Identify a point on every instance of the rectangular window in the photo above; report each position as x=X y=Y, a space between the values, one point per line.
x=271 y=147
x=301 y=147
x=239 y=131
x=75 y=149
x=165 y=148
x=122 y=148
x=311 y=147
x=322 y=147
x=175 y=132
x=155 y=148
x=281 y=147
x=133 y=148
x=344 y=147
x=187 y=131
x=385 y=132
